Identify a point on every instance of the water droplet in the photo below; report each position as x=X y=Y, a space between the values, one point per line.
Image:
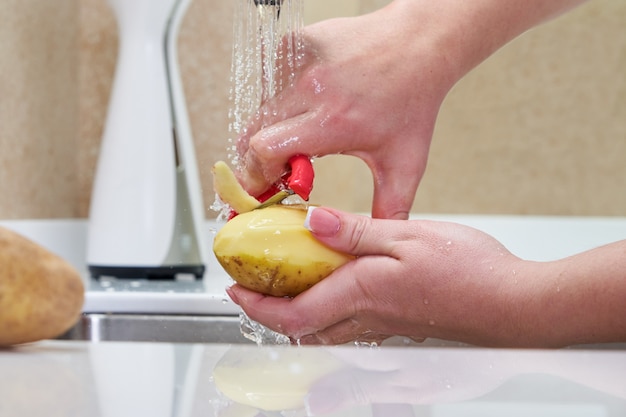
x=360 y=344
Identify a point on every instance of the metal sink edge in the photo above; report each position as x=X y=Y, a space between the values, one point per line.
x=98 y=327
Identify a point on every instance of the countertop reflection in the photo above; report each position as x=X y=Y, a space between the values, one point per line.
x=63 y=378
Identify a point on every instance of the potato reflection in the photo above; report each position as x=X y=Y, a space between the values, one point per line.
x=272 y=379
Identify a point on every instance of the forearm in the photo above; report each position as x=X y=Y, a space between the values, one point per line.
x=468 y=32
x=580 y=299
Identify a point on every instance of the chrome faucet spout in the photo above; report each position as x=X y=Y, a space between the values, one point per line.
x=275 y=5
x=268 y=2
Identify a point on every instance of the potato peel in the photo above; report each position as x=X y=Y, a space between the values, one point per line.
x=230 y=190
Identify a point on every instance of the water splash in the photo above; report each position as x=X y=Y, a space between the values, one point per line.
x=260 y=334
x=221 y=208
x=366 y=345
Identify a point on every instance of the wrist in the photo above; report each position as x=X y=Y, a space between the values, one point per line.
x=580 y=299
x=528 y=295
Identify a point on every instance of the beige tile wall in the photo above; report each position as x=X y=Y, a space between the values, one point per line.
x=539 y=128
x=38 y=109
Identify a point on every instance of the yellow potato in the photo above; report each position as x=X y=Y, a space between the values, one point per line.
x=41 y=295
x=271 y=252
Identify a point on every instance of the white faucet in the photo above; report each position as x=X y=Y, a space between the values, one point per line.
x=146 y=208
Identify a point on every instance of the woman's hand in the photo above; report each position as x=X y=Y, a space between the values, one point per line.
x=366 y=88
x=372 y=86
x=412 y=278
x=427 y=279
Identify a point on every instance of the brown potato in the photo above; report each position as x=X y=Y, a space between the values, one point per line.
x=271 y=252
x=41 y=295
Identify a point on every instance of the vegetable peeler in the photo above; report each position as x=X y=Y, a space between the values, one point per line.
x=298 y=180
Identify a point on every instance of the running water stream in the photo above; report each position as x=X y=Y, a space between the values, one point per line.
x=267 y=49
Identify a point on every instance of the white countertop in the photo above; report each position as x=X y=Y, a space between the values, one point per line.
x=111 y=379
x=532 y=237
x=57 y=378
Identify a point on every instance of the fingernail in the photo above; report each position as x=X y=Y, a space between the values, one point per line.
x=321 y=222
x=232 y=295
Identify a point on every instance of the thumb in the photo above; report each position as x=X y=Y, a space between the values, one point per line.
x=350 y=233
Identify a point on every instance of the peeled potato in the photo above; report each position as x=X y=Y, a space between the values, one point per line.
x=41 y=295
x=271 y=252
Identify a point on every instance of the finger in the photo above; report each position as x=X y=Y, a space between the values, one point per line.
x=297 y=317
x=333 y=300
x=343 y=308
x=269 y=149
x=395 y=185
x=290 y=317
x=351 y=233
x=264 y=157
x=346 y=331
x=281 y=108
x=267 y=310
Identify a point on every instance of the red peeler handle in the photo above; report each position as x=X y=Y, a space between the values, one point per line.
x=299 y=179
